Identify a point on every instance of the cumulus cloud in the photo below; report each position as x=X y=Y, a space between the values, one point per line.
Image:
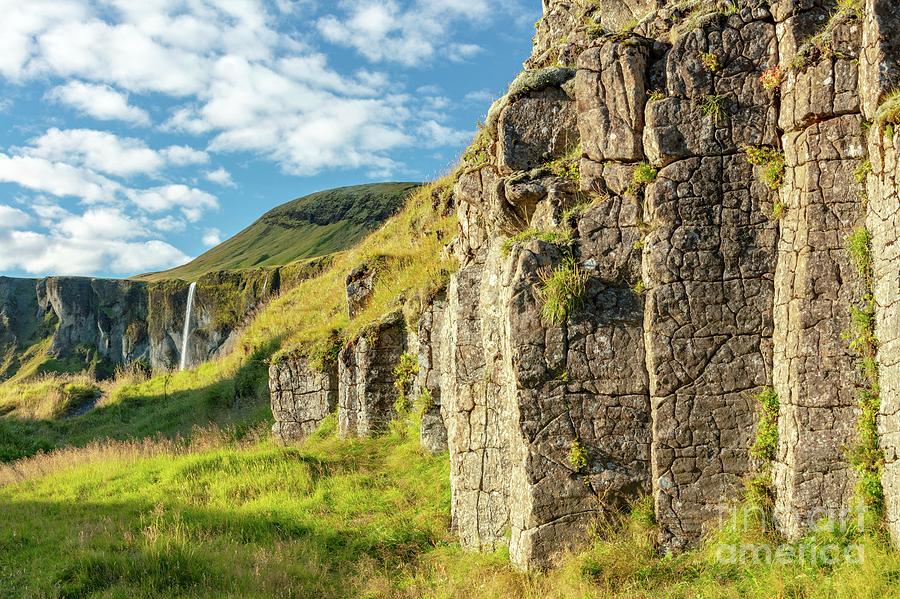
x=480 y=96
x=220 y=176
x=59 y=179
x=184 y=155
x=192 y=202
x=411 y=33
x=212 y=237
x=43 y=254
x=108 y=153
x=101 y=238
x=101 y=102
x=436 y=135
x=12 y=218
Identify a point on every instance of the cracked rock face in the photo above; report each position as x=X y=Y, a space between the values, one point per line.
x=703 y=285
x=366 y=392
x=301 y=398
x=432 y=344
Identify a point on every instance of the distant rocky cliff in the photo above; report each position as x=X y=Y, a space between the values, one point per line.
x=102 y=323
x=679 y=207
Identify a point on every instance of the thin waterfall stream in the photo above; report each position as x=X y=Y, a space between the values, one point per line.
x=187 y=325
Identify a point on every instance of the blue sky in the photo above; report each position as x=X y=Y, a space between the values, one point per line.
x=136 y=134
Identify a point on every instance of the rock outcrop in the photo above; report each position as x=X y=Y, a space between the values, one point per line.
x=720 y=150
x=302 y=397
x=427 y=389
x=102 y=323
x=676 y=208
x=366 y=391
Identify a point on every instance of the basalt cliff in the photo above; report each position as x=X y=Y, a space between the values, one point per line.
x=677 y=209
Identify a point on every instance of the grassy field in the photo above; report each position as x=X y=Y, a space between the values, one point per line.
x=340 y=518
x=315 y=225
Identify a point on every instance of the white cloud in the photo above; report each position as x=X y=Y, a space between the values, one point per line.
x=220 y=176
x=103 y=223
x=192 y=202
x=185 y=155
x=56 y=178
x=463 y=52
x=12 y=218
x=408 y=33
x=45 y=254
x=169 y=224
x=99 y=101
x=103 y=238
x=22 y=21
x=212 y=237
x=96 y=150
x=480 y=96
x=108 y=153
x=434 y=134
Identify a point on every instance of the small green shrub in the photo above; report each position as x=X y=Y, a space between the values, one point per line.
x=765 y=446
x=713 y=106
x=553 y=237
x=562 y=291
x=655 y=95
x=404 y=374
x=866 y=456
x=578 y=456
x=859 y=246
x=644 y=174
x=862 y=171
x=710 y=62
x=772 y=162
x=477 y=155
x=578 y=210
x=772 y=78
x=424 y=402
x=76 y=395
x=888 y=114
x=639 y=288
x=567 y=166
x=778 y=210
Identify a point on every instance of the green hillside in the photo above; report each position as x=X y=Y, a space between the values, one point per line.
x=316 y=225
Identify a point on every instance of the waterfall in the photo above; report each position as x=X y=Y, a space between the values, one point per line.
x=187 y=325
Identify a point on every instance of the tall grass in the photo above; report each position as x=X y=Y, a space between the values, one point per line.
x=352 y=518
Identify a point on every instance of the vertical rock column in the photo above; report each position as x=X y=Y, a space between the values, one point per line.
x=880 y=75
x=431 y=346
x=816 y=373
x=709 y=261
x=301 y=397
x=478 y=426
x=366 y=392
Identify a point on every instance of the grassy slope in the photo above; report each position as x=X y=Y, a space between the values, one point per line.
x=310 y=318
x=315 y=225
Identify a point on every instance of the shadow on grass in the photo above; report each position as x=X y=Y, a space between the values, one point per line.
x=240 y=402
x=59 y=549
